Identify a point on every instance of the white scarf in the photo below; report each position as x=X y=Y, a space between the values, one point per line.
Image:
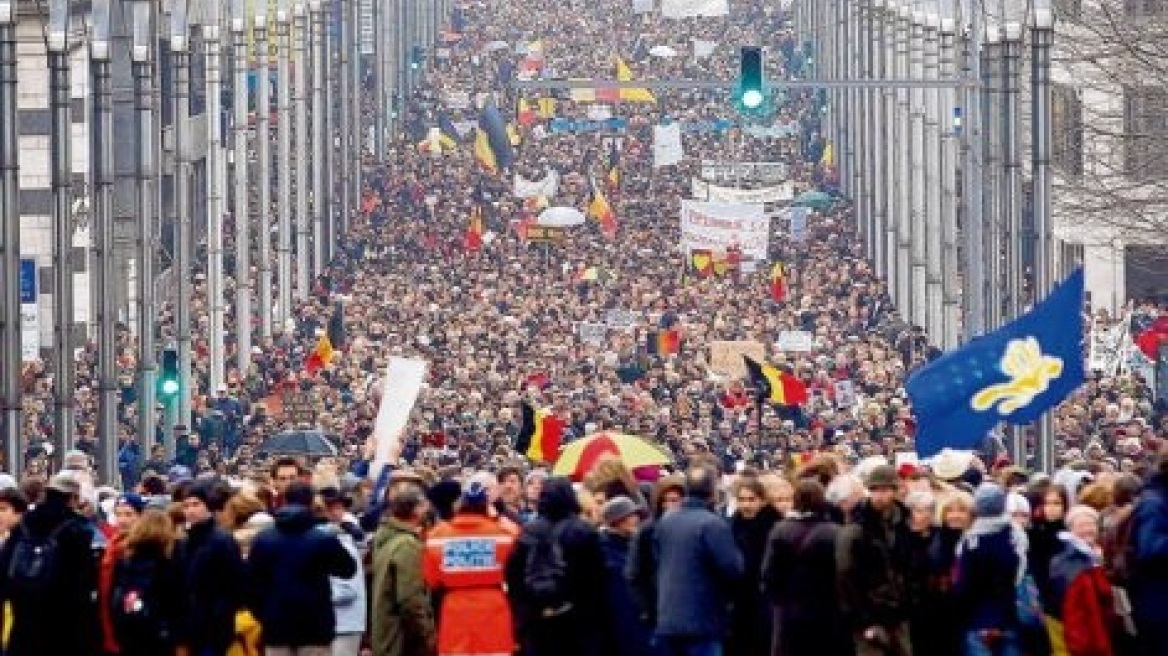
x=993 y=525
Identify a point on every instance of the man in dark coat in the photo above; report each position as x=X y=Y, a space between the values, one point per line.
x=872 y=560
x=799 y=576
x=290 y=565
x=574 y=631
x=58 y=616
x=212 y=573
x=1148 y=584
x=698 y=569
x=627 y=634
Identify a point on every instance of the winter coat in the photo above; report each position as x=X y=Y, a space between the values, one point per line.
x=985 y=579
x=349 y=598
x=698 y=570
x=403 y=619
x=290 y=591
x=641 y=571
x=464 y=561
x=872 y=559
x=1148 y=585
x=574 y=632
x=213 y=576
x=1083 y=599
x=61 y=619
x=1042 y=536
x=799 y=580
x=933 y=621
x=626 y=633
x=168 y=594
x=750 y=625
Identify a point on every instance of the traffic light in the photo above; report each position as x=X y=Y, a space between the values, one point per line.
x=168 y=375
x=751 y=92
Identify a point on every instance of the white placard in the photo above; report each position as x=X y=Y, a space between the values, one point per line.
x=618 y=319
x=642 y=6
x=845 y=394
x=795 y=341
x=735 y=173
x=546 y=187
x=399 y=393
x=667 y=148
x=703 y=190
x=692 y=8
x=592 y=333
x=799 y=224
x=703 y=48
x=718 y=226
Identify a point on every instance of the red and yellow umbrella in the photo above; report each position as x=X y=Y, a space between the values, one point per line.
x=579 y=457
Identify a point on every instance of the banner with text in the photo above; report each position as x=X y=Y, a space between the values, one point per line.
x=717 y=226
x=692 y=8
x=736 y=173
x=703 y=190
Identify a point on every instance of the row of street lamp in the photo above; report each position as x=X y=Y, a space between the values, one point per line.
x=321 y=136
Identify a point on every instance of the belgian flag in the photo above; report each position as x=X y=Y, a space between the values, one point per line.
x=601 y=210
x=473 y=241
x=774 y=385
x=778 y=282
x=539 y=435
x=321 y=356
x=666 y=341
x=494 y=138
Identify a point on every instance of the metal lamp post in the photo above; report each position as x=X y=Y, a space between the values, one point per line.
x=264 y=169
x=61 y=184
x=216 y=175
x=10 y=341
x=320 y=134
x=1041 y=40
x=180 y=50
x=142 y=57
x=101 y=170
x=284 y=168
x=240 y=195
x=300 y=107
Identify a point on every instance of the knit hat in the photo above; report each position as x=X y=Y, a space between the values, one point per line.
x=882 y=476
x=132 y=500
x=989 y=500
x=476 y=494
x=1017 y=504
x=66 y=483
x=616 y=509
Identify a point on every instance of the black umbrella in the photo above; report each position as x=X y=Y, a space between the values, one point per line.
x=299 y=442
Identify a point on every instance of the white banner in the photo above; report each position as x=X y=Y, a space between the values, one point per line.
x=703 y=48
x=642 y=6
x=736 y=173
x=703 y=190
x=691 y=8
x=799 y=223
x=547 y=187
x=1106 y=353
x=592 y=332
x=717 y=226
x=399 y=393
x=795 y=341
x=667 y=148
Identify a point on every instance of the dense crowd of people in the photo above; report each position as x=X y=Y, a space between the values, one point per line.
x=772 y=531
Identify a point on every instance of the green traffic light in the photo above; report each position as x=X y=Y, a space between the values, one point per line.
x=752 y=98
x=170 y=387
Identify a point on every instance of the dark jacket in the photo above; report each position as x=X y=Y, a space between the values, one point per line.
x=698 y=570
x=213 y=574
x=626 y=633
x=403 y=619
x=573 y=633
x=641 y=571
x=289 y=565
x=799 y=579
x=1148 y=585
x=985 y=580
x=873 y=553
x=933 y=620
x=750 y=631
x=1044 y=545
x=61 y=619
x=165 y=586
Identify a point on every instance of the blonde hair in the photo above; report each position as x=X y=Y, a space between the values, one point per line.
x=239 y=509
x=153 y=528
x=951 y=497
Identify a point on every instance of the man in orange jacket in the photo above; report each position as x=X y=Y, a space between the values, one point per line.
x=465 y=558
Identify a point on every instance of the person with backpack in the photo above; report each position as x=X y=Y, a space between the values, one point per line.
x=48 y=574
x=146 y=593
x=463 y=561
x=555 y=579
x=290 y=590
x=126 y=511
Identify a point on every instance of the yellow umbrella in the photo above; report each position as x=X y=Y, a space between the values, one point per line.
x=579 y=457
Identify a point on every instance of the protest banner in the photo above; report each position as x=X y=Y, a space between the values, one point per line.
x=726 y=356
x=716 y=227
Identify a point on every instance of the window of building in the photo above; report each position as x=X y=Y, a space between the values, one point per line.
x=1066 y=129
x=1145 y=128
x=1138 y=8
x=1069 y=9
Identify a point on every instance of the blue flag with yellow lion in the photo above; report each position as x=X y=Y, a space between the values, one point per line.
x=1013 y=374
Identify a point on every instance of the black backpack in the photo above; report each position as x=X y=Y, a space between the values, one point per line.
x=545 y=573
x=135 y=608
x=33 y=570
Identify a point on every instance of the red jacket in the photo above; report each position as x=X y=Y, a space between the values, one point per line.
x=1084 y=597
